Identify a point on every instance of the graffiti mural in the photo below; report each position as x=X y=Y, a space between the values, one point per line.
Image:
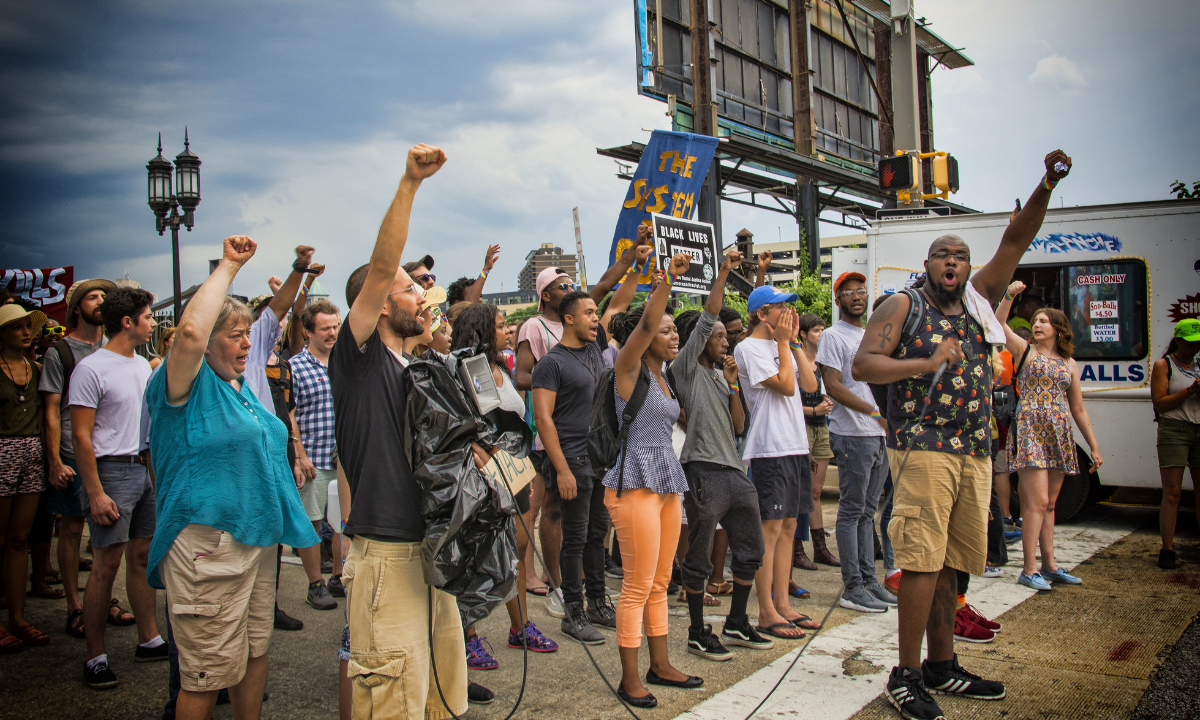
x=1055 y=243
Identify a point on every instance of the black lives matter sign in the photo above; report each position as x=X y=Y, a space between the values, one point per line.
x=674 y=235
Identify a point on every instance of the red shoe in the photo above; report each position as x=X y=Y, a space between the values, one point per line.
x=893 y=583
x=974 y=615
x=967 y=631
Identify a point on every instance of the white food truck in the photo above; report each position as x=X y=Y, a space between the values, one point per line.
x=1123 y=274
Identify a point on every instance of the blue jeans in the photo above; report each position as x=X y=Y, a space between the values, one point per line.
x=889 y=558
x=862 y=464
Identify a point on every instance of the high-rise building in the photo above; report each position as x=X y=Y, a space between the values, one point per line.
x=544 y=257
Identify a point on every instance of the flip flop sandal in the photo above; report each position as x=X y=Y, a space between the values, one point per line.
x=796 y=591
x=806 y=623
x=710 y=601
x=31 y=636
x=725 y=588
x=119 y=620
x=52 y=578
x=48 y=594
x=75 y=629
x=10 y=643
x=774 y=631
x=85 y=565
x=538 y=591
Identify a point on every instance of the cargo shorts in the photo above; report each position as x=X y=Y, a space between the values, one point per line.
x=940 y=511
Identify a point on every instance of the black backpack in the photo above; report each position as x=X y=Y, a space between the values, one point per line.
x=608 y=435
x=67 y=360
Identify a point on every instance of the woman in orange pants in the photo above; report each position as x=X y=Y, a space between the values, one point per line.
x=642 y=492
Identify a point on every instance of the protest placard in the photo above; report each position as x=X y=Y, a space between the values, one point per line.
x=674 y=235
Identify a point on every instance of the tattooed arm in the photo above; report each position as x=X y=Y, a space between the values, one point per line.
x=874 y=362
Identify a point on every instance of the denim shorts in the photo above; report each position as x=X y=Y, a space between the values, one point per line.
x=65 y=501
x=128 y=484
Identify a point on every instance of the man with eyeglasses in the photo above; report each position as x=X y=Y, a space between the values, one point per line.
x=939 y=517
x=857 y=437
x=418 y=270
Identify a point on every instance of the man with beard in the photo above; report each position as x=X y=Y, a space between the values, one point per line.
x=939 y=452
x=389 y=636
x=856 y=435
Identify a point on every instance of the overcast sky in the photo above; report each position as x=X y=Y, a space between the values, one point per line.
x=302 y=112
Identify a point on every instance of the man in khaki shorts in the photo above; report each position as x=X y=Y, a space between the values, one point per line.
x=390 y=606
x=940 y=452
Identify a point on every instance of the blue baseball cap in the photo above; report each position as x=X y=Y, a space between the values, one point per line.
x=765 y=295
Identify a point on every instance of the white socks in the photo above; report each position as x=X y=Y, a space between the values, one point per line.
x=152 y=643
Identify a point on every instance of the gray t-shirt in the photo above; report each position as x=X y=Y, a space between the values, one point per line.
x=704 y=395
x=115 y=386
x=52 y=382
x=836 y=350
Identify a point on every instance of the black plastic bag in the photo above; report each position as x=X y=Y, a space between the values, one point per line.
x=470 y=546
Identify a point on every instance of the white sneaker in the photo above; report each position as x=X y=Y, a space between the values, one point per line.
x=555 y=605
x=992 y=571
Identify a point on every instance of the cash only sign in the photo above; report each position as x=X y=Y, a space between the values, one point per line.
x=667 y=182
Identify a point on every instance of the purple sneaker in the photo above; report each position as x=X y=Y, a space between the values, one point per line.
x=537 y=641
x=478 y=657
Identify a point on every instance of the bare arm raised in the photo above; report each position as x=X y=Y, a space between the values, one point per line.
x=618 y=269
x=991 y=279
x=874 y=363
x=196 y=324
x=629 y=359
x=423 y=161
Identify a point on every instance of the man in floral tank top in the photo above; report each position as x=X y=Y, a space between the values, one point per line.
x=939 y=515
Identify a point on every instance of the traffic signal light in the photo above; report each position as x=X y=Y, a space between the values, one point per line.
x=945 y=173
x=899 y=173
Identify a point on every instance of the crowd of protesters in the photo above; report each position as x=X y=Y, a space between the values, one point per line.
x=727 y=423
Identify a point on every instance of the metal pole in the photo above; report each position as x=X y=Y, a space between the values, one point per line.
x=904 y=81
x=175 y=269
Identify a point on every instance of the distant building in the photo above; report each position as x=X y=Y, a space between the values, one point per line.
x=544 y=257
x=507 y=302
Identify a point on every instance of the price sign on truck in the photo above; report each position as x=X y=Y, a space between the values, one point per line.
x=1103 y=309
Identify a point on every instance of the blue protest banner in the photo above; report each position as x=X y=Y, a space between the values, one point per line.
x=667 y=181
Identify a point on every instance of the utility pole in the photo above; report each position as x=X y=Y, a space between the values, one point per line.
x=905 y=108
x=704 y=107
x=579 y=251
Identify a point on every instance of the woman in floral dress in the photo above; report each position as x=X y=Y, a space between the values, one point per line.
x=1041 y=447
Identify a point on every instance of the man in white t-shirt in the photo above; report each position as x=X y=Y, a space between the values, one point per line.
x=770 y=366
x=857 y=436
x=109 y=436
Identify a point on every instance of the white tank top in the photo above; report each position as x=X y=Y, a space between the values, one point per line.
x=510 y=400
x=1181 y=378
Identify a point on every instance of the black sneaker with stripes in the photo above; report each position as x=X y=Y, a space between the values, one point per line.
x=947 y=677
x=907 y=692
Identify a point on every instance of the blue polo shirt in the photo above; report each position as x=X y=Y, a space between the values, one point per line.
x=220 y=459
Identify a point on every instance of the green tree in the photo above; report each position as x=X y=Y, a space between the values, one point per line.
x=1181 y=191
x=523 y=314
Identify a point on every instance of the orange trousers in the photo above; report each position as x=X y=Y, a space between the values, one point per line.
x=647 y=526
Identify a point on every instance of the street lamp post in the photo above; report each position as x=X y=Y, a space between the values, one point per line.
x=166 y=205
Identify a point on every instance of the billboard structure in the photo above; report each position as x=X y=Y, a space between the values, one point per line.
x=799 y=92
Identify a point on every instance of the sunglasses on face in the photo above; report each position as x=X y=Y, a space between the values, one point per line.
x=565 y=287
x=860 y=292
x=961 y=255
x=427 y=277
x=55 y=330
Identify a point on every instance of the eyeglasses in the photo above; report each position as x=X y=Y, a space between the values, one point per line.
x=861 y=292
x=412 y=289
x=962 y=256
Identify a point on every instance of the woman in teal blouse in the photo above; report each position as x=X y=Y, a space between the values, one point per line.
x=225 y=496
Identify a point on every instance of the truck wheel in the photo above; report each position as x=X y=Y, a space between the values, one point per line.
x=1075 y=490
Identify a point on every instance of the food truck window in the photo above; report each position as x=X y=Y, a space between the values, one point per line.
x=1106 y=305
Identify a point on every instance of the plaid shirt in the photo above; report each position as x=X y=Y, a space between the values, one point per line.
x=314 y=408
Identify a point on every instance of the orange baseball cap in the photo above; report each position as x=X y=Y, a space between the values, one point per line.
x=848 y=276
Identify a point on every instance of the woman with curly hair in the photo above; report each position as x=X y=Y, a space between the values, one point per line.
x=1041 y=448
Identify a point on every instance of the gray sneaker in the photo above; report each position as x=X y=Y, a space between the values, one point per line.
x=576 y=626
x=859 y=599
x=554 y=603
x=319 y=597
x=882 y=594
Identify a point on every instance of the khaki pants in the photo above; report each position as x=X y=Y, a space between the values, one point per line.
x=940 y=511
x=389 y=636
x=221 y=597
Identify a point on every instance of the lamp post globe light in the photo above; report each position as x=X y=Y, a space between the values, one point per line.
x=166 y=205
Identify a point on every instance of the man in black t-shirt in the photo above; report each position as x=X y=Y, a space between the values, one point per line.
x=563 y=383
x=389 y=652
